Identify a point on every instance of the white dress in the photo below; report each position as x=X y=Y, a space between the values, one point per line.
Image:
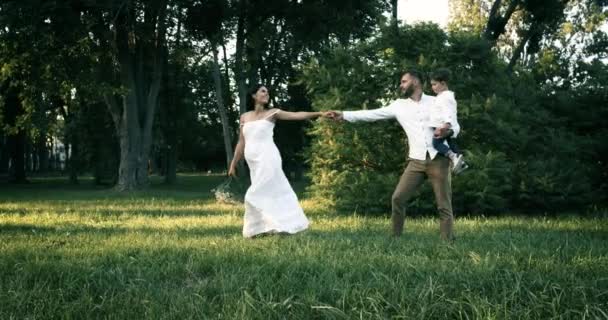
x=271 y=205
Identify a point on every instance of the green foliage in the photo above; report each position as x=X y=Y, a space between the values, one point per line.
x=528 y=149
x=485 y=186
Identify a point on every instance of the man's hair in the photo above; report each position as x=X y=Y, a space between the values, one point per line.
x=441 y=75
x=414 y=73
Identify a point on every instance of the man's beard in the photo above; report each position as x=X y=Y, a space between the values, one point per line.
x=408 y=92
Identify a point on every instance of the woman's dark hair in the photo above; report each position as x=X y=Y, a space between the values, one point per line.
x=249 y=98
x=441 y=75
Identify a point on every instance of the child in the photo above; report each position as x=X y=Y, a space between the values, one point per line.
x=443 y=115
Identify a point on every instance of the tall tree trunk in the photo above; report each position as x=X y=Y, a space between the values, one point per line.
x=42 y=153
x=71 y=142
x=16 y=141
x=17 y=149
x=67 y=149
x=4 y=154
x=227 y=131
x=254 y=62
x=35 y=158
x=171 y=166
x=226 y=64
x=74 y=160
x=141 y=77
x=520 y=47
x=98 y=166
x=229 y=99
x=239 y=65
x=394 y=4
x=172 y=107
x=29 y=156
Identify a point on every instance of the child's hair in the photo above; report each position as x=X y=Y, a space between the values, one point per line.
x=441 y=75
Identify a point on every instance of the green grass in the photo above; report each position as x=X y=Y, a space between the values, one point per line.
x=172 y=253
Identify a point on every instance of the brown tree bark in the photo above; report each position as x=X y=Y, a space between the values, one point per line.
x=140 y=63
x=226 y=130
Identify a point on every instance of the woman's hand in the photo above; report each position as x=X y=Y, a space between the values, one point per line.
x=232 y=170
x=326 y=114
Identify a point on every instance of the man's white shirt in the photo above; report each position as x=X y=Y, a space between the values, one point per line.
x=413 y=116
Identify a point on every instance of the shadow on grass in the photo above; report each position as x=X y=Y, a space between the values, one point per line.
x=188 y=186
x=84 y=210
x=75 y=229
x=59 y=188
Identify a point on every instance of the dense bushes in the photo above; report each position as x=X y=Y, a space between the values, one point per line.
x=528 y=148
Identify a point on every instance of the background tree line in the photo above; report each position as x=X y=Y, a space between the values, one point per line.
x=130 y=87
x=133 y=85
x=531 y=107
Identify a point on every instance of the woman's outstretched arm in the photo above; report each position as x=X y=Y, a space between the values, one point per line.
x=301 y=115
x=238 y=151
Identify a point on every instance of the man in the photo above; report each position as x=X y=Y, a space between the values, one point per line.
x=424 y=161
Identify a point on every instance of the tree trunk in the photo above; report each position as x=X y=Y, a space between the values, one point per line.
x=15 y=142
x=496 y=23
x=226 y=64
x=171 y=108
x=72 y=153
x=42 y=153
x=171 y=166
x=219 y=95
x=74 y=160
x=520 y=48
x=98 y=170
x=35 y=158
x=394 y=4
x=4 y=154
x=29 y=157
x=239 y=66
x=17 y=149
x=141 y=77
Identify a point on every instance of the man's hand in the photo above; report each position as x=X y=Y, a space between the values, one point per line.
x=436 y=133
x=335 y=115
x=441 y=132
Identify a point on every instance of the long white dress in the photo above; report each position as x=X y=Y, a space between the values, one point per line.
x=271 y=205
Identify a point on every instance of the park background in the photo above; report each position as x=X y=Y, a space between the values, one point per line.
x=118 y=118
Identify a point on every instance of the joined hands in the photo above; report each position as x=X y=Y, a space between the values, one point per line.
x=333 y=115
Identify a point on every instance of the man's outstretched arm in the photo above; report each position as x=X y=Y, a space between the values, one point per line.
x=364 y=115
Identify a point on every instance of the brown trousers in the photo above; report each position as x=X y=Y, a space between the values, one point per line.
x=438 y=173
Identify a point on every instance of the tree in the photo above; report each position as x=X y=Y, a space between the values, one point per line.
x=13 y=112
x=497 y=20
x=136 y=33
x=542 y=19
x=525 y=145
x=206 y=19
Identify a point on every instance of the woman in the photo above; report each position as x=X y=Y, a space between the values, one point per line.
x=271 y=205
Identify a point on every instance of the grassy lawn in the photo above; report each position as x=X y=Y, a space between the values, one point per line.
x=173 y=253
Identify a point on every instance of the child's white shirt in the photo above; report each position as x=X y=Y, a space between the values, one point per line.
x=443 y=110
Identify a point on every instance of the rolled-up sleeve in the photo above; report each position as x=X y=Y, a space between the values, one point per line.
x=369 y=115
